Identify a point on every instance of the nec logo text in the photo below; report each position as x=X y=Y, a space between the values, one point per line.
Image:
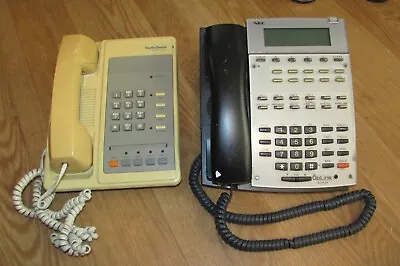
x=258 y=22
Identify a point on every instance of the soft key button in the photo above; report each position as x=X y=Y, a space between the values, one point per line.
x=160 y=116
x=160 y=128
x=160 y=94
x=277 y=71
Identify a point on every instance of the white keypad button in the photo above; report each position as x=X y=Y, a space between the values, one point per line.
x=140 y=126
x=140 y=104
x=117 y=94
x=115 y=128
x=115 y=116
x=116 y=105
x=128 y=115
x=127 y=127
x=128 y=105
x=128 y=94
x=140 y=115
x=140 y=93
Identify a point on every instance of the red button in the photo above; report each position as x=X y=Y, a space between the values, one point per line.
x=113 y=163
x=343 y=165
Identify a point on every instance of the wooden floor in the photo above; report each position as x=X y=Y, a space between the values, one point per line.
x=167 y=226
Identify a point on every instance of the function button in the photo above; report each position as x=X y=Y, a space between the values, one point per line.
x=281 y=166
x=125 y=162
x=342 y=153
x=281 y=154
x=295 y=129
x=260 y=59
x=310 y=97
x=115 y=116
x=339 y=70
x=328 y=153
x=342 y=129
x=323 y=59
x=328 y=165
x=295 y=142
x=311 y=165
x=150 y=161
x=128 y=94
x=163 y=160
x=294 y=97
x=128 y=115
x=340 y=79
x=292 y=71
x=308 y=79
x=324 y=79
x=280 y=142
x=140 y=126
x=310 y=153
x=127 y=127
x=341 y=97
x=280 y=129
x=294 y=106
x=264 y=154
x=277 y=71
x=116 y=105
x=296 y=154
x=277 y=80
x=342 y=106
x=140 y=93
x=326 y=129
x=160 y=94
x=296 y=166
x=326 y=106
x=278 y=97
x=264 y=141
x=160 y=128
x=116 y=94
x=296 y=178
x=342 y=141
x=262 y=98
x=293 y=80
x=310 y=106
x=128 y=105
x=262 y=107
x=323 y=71
x=278 y=106
x=310 y=141
x=140 y=104
x=310 y=129
x=276 y=60
x=140 y=115
x=138 y=162
x=160 y=116
x=325 y=97
x=308 y=71
x=343 y=165
x=291 y=59
x=327 y=141
x=113 y=163
x=264 y=129
x=338 y=59
x=115 y=128
x=307 y=59
x=160 y=105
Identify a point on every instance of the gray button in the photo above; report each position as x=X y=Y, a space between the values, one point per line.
x=115 y=116
x=328 y=165
x=281 y=154
x=295 y=142
x=128 y=127
x=264 y=154
x=128 y=105
x=138 y=162
x=116 y=105
x=310 y=106
x=326 y=106
x=281 y=166
x=310 y=141
x=311 y=166
x=328 y=153
x=140 y=126
x=162 y=160
x=294 y=97
x=140 y=104
x=341 y=97
x=280 y=130
x=140 y=93
x=295 y=129
x=264 y=141
x=310 y=154
x=139 y=115
x=342 y=129
x=327 y=141
x=280 y=142
x=128 y=115
x=342 y=141
x=278 y=97
x=325 y=97
x=128 y=94
x=150 y=161
x=296 y=166
x=125 y=162
x=296 y=154
x=117 y=94
x=115 y=128
x=310 y=97
x=326 y=129
x=310 y=129
x=342 y=106
x=342 y=153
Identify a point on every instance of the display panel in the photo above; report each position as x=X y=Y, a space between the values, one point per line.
x=297 y=37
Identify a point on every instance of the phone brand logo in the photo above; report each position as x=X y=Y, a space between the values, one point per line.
x=322 y=178
x=152 y=47
x=258 y=22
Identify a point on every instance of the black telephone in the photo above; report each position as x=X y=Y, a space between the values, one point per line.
x=229 y=106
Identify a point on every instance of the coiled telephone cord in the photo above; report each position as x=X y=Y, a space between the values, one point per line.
x=71 y=239
x=222 y=217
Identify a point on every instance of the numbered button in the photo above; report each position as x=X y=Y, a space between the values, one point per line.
x=117 y=94
x=280 y=142
x=128 y=115
x=128 y=105
x=115 y=116
x=295 y=129
x=115 y=128
x=281 y=166
x=311 y=166
x=281 y=154
x=280 y=130
x=296 y=166
x=310 y=153
x=310 y=141
x=140 y=104
x=140 y=126
x=116 y=105
x=296 y=154
x=128 y=94
x=127 y=127
x=295 y=142
x=139 y=115
x=140 y=93
x=310 y=129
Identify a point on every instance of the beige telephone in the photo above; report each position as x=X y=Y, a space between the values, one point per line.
x=113 y=124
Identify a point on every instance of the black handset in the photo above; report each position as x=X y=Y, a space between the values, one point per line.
x=230 y=119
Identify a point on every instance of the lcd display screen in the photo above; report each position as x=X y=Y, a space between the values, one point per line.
x=297 y=37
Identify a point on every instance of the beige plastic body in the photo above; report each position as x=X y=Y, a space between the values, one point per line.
x=88 y=131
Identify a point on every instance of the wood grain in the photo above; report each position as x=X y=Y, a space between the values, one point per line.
x=167 y=226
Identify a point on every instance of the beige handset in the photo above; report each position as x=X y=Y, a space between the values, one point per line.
x=69 y=140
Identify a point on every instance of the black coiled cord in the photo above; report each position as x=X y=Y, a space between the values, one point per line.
x=222 y=217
